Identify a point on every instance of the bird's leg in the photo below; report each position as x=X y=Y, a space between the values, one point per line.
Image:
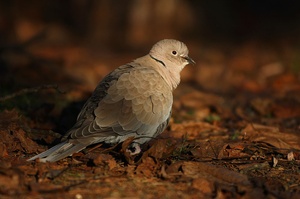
x=134 y=149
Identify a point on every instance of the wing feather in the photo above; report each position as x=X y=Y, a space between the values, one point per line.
x=128 y=105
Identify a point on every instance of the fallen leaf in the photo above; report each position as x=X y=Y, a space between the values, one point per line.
x=105 y=160
x=198 y=169
x=10 y=181
x=147 y=167
x=195 y=130
x=204 y=185
x=287 y=108
x=233 y=150
x=160 y=148
x=262 y=106
x=272 y=136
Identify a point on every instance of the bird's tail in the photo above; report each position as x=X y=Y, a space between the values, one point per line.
x=59 y=152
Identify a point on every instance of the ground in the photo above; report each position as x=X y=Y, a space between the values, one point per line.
x=234 y=132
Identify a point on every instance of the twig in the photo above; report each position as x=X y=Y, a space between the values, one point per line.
x=30 y=90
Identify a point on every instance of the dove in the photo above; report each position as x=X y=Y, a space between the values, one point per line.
x=134 y=100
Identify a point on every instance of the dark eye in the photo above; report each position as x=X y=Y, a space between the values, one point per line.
x=174 y=52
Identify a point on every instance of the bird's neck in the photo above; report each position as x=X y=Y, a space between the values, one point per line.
x=169 y=73
x=172 y=77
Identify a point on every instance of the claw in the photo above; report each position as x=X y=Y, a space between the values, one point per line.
x=134 y=149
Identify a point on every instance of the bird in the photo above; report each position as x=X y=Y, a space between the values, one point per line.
x=134 y=100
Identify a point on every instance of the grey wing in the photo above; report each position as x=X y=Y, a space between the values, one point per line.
x=138 y=102
x=86 y=116
x=100 y=91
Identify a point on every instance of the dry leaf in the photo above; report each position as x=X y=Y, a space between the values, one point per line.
x=198 y=169
x=272 y=136
x=147 y=167
x=261 y=105
x=105 y=159
x=233 y=150
x=159 y=149
x=195 y=130
x=204 y=185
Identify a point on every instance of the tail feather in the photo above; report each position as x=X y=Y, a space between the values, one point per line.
x=48 y=152
x=58 y=152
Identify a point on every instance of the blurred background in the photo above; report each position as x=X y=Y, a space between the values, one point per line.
x=245 y=46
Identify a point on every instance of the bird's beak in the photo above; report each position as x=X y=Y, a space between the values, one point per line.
x=190 y=60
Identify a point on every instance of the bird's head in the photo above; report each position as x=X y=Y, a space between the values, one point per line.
x=171 y=53
x=171 y=57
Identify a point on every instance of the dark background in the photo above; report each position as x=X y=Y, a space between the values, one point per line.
x=231 y=29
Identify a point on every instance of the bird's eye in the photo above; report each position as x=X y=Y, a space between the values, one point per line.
x=174 y=52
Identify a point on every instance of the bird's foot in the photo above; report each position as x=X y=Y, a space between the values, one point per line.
x=134 y=149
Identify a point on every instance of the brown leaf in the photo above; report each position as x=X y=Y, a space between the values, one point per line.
x=286 y=109
x=263 y=106
x=105 y=160
x=195 y=130
x=286 y=82
x=204 y=185
x=174 y=167
x=147 y=167
x=199 y=169
x=159 y=149
x=233 y=150
x=13 y=137
x=272 y=136
x=3 y=150
x=27 y=144
x=11 y=180
x=253 y=166
x=7 y=117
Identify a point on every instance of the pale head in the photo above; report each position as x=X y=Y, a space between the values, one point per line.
x=170 y=50
x=172 y=56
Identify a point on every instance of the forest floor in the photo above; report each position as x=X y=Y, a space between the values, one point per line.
x=239 y=143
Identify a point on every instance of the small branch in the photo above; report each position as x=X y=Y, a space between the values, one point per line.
x=30 y=90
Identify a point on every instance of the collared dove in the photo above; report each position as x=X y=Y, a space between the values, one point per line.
x=134 y=100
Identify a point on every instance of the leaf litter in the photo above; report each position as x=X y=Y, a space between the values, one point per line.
x=232 y=145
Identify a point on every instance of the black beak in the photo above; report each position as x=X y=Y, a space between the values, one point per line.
x=190 y=60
